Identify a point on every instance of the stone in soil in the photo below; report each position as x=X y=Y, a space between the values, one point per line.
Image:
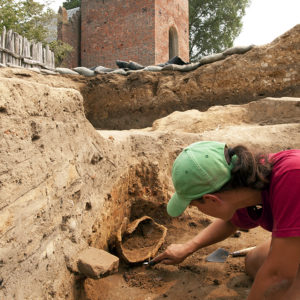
x=97 y=263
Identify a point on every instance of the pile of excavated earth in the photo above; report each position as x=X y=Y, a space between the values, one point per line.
x=85 y=165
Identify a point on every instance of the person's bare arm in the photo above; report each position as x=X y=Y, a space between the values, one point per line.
x=277 y=274
x=217 y=231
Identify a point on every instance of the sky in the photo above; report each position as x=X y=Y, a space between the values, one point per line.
x=264 y=21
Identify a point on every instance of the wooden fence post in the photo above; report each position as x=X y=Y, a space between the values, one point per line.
x=16 y=51
x=3 y=61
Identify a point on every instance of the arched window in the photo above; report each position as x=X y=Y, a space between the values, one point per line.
x=173 y=42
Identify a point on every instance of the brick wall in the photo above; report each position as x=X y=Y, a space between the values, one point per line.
x=69 y=32
x=136 y=30
x=171 y=13
x=117 y=29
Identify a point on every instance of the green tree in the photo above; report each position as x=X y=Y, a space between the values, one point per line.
x=61 y=50
x=8 y=14
x=214 y=24
x=69 y=4
x=33 y=20
x=26 y=17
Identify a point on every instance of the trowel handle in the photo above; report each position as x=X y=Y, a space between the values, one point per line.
x=242 y=252
x=152 y=263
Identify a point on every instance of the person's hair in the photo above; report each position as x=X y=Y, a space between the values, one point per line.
x=250 y=169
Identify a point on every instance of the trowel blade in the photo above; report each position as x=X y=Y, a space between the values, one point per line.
x=150 y=263
x=218 y=255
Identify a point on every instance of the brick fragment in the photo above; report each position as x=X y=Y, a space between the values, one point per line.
x=97 y=263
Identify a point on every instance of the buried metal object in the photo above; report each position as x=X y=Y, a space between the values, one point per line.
x=140 y=240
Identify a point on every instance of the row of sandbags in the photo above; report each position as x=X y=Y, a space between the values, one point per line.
x=126 y=68
x=131 y=67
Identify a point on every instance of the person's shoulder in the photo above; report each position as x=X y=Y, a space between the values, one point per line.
x=286 y=160
x=291 y=154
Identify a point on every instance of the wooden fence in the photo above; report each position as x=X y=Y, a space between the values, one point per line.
x=17 y=51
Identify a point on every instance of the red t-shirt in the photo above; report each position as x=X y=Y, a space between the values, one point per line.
x=280 y=211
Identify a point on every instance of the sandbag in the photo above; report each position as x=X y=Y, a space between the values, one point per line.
x=140 y=240
x=122 y=64
x=66 y=71
x=172 y=67
x=119 y=71
x=135 y=66
x=84 y=71
x=153 y=68
x=211 y=58
x=189 y=67
x=101 y=69
x=238 y=50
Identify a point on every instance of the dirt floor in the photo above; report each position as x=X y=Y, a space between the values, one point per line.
x=192 y=279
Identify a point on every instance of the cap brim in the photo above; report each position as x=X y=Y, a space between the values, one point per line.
x=177 y=206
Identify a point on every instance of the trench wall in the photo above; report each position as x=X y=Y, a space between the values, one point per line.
x=63 y=185
x=52 y=190
x=135 y=101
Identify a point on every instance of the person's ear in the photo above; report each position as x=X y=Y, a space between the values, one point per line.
x=211 y=197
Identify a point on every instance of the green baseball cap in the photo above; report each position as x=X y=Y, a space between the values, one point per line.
x=201 y=168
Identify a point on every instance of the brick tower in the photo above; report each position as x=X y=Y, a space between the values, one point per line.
x=145 y=31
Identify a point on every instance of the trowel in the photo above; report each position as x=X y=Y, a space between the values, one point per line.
x=220 y=255
x=149 y=263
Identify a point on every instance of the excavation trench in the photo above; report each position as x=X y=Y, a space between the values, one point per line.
x=57 y=172
x=140 y=194
x=137 y=196
x=137 y=193
x=64 y=185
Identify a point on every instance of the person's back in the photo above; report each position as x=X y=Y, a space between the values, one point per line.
x=280 y=210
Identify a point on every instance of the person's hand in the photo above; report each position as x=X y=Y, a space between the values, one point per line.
x=174 y=254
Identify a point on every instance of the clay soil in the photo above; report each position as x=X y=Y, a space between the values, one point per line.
x=192 y=279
